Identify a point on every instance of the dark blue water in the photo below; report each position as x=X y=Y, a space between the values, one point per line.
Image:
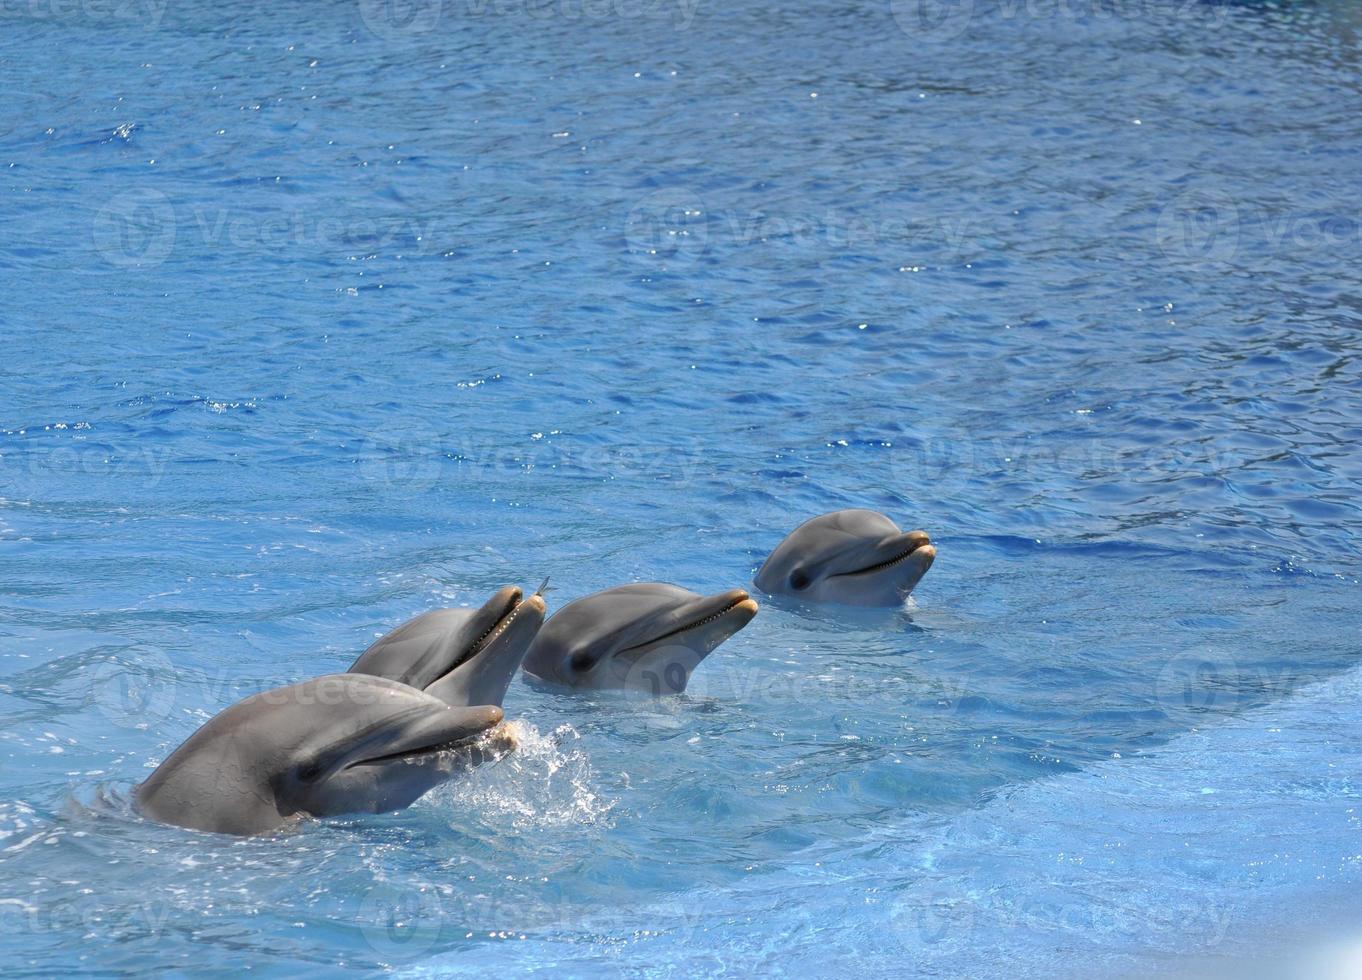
x=318 y=315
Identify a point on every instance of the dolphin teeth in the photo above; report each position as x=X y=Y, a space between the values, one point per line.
x=490 y=635
x=695 y=625
x=501 y=627
x=884 y=564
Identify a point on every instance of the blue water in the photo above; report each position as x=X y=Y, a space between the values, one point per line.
x=318 y=315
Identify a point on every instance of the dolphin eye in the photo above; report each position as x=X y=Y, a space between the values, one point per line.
x=799 y=579
x=580 y=661
x=310 y=772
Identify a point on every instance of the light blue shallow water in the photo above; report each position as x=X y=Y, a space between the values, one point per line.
x=320 y=315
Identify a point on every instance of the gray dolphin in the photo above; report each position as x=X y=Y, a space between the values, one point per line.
x=644 y=637
x=854 y=557
x=464 y=657
x=461 y=656
x=285 y=754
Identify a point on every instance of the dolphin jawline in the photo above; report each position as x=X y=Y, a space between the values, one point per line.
x=913 y=549
x=513 y=606
x=424 y=751
x=745 y=599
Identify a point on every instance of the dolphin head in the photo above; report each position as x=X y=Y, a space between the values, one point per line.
x=648 y=637
x=296 y=751
x=853 y=557
x=461 y=656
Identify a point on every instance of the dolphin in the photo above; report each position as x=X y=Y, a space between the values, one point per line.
x=285 y=754
x=464 y=657
x=853 y=557
x=643 y=637
x=461 y=656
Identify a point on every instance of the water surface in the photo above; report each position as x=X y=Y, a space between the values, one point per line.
x=321 y=315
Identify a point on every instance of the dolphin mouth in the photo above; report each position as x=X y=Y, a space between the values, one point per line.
x=917 y=544
x=421 y=752
x=412 y=755
x=489 y=636
x=739 y=601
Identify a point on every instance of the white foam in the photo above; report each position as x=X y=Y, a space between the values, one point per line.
x=547 y=781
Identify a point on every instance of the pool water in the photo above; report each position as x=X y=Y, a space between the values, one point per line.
x=320 y=315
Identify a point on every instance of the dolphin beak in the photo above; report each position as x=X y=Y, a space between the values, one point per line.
x=700 y=625
x=923 y=551
x=486 y=620
x=737 y=610
x=484 y=676
x=439 y=730
x=911 y=548
x=729 y=612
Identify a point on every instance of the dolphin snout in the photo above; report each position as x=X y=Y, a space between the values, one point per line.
x=484 y=716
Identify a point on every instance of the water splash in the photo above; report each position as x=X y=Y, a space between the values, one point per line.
x=548 y=781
